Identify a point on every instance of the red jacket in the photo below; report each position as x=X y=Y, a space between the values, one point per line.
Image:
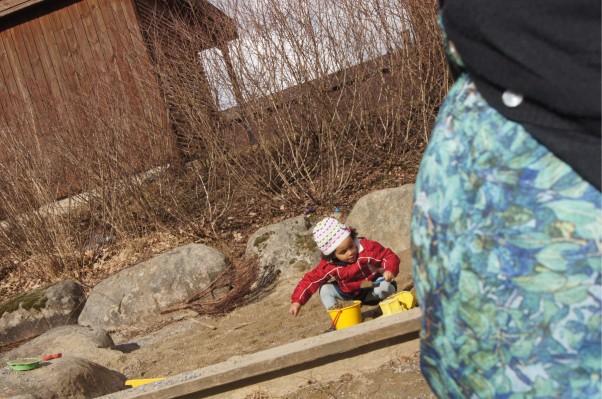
x=350 y=276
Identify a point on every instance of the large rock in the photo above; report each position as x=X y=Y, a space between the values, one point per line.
x=90 y=343
x=286 y=249
x=65 y=377
x=385 y=216
x=38 y=311
x=137 y=294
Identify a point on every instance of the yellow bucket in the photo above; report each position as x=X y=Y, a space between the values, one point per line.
x=407 y=299
x=390 y=306
x=403 y=300
x=346 y=317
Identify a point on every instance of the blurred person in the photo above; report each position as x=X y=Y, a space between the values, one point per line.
x=507 y=225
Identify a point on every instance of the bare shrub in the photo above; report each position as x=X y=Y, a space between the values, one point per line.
x=329 y=88
x=311 y=95
x=93 y=158
x=238 y=278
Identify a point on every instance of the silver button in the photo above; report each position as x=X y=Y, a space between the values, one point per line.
x=512 y=99
x=453 y=54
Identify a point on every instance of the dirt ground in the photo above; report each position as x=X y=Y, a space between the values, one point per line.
x=187 y=342
x=184 y=341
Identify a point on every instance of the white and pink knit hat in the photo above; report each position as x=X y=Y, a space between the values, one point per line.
x=329 y=233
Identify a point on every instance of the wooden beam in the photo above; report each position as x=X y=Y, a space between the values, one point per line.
x=10 y=6
x=283 y=360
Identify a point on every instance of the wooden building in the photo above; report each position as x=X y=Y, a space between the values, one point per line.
x=60 y=59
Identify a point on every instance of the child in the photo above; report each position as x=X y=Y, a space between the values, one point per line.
x=352 y=262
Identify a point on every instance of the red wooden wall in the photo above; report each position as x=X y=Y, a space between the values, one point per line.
x=60 y=58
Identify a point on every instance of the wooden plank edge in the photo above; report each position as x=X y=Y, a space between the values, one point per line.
x=10 y=7
x=241 y=371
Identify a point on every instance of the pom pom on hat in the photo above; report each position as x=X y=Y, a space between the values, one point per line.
x=329 y=233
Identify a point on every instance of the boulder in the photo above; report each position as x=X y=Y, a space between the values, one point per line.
x=385 y=216
x=65 y=377
x=35 y=312
x=77 y=341
x=138 y=294
x=286 y=249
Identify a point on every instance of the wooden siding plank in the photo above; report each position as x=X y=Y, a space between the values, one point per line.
x=9 y=92
x=107 y=48
x=154 y=105
x=130 y=47
x=44 y=96
x=124 y=9
x=87 y=53
x=72 y=44
x=117 y=39
x=134 y=56
x=25 y=111
x=69 y=67
x=98 y=56
x=4 y=103
x=51 y=73
x=24 y=63
x=35 y=62
x=66 y=175
x=48 y=40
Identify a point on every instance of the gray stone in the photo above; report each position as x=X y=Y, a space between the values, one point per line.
x=385 y=216
x=74 y=340
x=65 y=377
x=286 y=249
x=38 y=311
x=139 y=293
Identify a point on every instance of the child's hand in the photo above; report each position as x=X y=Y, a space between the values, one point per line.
x=295 y=307
x=389 y=276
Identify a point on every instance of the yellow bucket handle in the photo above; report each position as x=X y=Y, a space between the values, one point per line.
x=336 y=318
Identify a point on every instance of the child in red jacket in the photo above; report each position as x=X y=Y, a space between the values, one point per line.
x=348 y=264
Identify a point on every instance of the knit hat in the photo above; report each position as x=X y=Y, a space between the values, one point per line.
x=329 y=233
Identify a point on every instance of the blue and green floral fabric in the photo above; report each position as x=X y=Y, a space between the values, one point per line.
x=506 y=243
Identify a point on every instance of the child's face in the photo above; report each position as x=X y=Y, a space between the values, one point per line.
x=346 y=251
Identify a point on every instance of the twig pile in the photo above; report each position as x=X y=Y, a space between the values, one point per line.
x=238 y=278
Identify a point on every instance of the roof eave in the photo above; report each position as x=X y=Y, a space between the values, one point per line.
x=8 y=7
